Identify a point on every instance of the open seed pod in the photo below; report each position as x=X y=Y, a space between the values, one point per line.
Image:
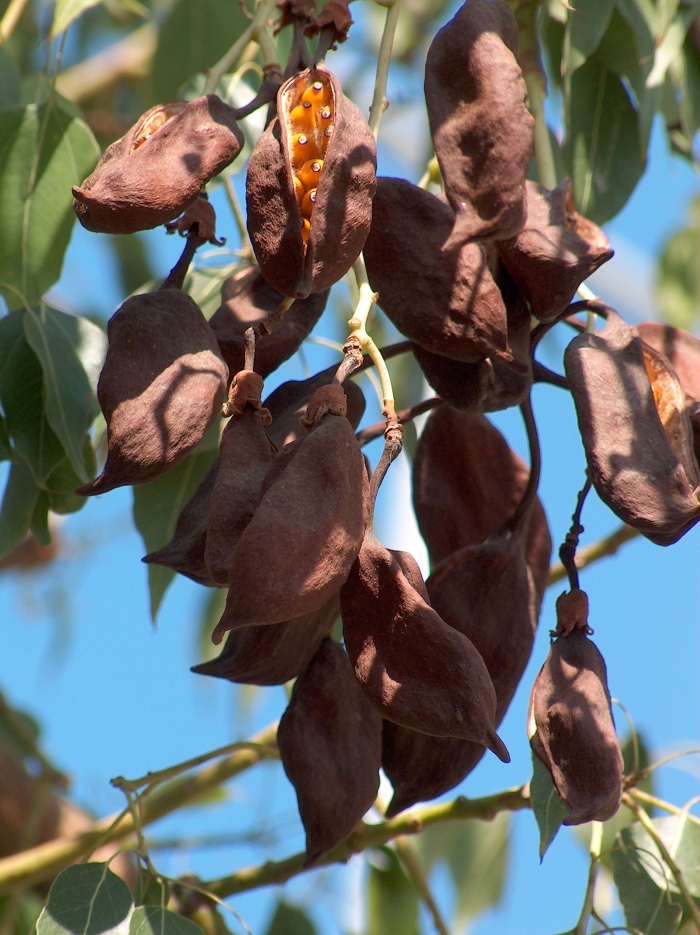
x=555 y=251
x=274 y=654
x=634 y=467
x=443 y=299
x=157 y=169
x=246 y=301
x=305 y=534
x=310 y=185
x=287 y=405
x=185 y=551
x=161 y=387
x=245 y=456
x=481 y=128
x=330 y=742
x=416 y=670
x=571 y=729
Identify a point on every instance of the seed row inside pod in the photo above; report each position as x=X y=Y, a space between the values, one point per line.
x=310 y=124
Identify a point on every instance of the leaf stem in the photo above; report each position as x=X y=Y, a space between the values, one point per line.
x=246 y=249
x=379 y=101
x=594 y=851
x=415 y=870
x=358 y=325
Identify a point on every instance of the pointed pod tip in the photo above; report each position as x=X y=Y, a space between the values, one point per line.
x=496 y=745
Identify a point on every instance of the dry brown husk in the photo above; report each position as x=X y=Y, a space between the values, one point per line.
x=274 y=654
x=330 y=742
x=464 y=386
x=185 y=551
x=555 y=252
x=157 y=169
x=246 y=453
x=481 y=128
x=632 y=465
x=416 y=670
x=246 y=301
x=343 y=208
x=443 y=299
x=680 y=348
x=161 y=387
x=572 y=732
x=305 y=534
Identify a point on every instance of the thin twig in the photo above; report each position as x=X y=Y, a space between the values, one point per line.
x=533 y=481
x=249 y=358
x=594 y=851
x=176 y=276
x=567 y=550
x=542 y=374
x=246 y=249
x=414 y=869
x=216 y=73
x=595 y=551
x=393 y=443
x=366 y=435
x=379 y=101
x=655 y=802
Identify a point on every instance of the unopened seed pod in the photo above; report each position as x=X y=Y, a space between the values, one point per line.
x=185 y=551
x=161 y=387
x=298 y=547
x=481 y=128
x=445 y=300
x=418 y=672
x=632 y=465
x=554 y=252
x=157 y=169
x=274 y=654
x=330 y=743
x=572 y=732
x=464 y=386
x=337 y=227
x=246 y=301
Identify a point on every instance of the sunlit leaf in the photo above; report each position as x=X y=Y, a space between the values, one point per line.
x=290 y=920
x=87 y=899
x=548 y=808
x=648 y=907
x=66 y=11
x=154 y=920
x=392 y=902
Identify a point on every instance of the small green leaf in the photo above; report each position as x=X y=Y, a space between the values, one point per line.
x=157 y=507
x=392 y=902
x=18 y=502
x=39 y=525
x=204 y=285
x=66 y=11
x=602 y=153
x=87 y=899
x=648 y=907
x=10 y=80
x=193 y=37
x=69 y=397
x=150 y=890
x=153 y=920
x=290 y=920
x=22 y=398
x=585 y=27
x=45 y=150
x=549 y=809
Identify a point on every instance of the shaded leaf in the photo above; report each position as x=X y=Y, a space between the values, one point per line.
x=154 y=920
x=150 y=890
x=45 y=150
x=86 y=899
x=39 y=525
x=647 y=907
x=21 y=911
x=22 y=398
x=157 y=506
x=70 y=402
x=681 y=835
x=5 y=450
x=66 y=11
x=290 y=920
x=18 y=502
x=678 y=277
x=585 y=27
x=9 y=80
x=392 y=902
x=62 y=482
x=549 y=809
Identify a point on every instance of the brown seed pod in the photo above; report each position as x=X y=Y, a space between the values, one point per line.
x=572 y=732
x=680 y=348
x=510 y=381
x=481 y=128
x=185 y=551
x=247 y=300
x=417 y=671
x=157 y=169
x=274 y=654
x=298 y=255
x=464 y=386
x=298 y=548
x=632 y=465
x=445 y=300
x=160 y=389
x=245 y=455
x=554 y=252
x=330 y=742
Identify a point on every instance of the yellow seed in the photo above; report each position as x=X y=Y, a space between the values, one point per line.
x=303 y=149
x=302 y=118
x=307 y=204
x=298 y=189
x=318 y=93
x=305 y=230
x=326 y=138
x=310 y=172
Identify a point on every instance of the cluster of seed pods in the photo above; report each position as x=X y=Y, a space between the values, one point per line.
x=283 y=518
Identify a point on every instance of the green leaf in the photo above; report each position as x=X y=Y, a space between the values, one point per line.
x=290 y=920
x=392 y=902
x=157 y=507
x=5 y=449
x=204 y=285
x=641 y=16
x=585 y=27
x=678 y=277
x=476 y=853
x=22 y=398
x=18 y=913
x=18 y=502
x=62 y=482
x=87 y=899
x=10 y=80
x=602 y=152
x=66 y=11
x=685 y=75
x=194 y=36
x=150 y=890
x=44 y=151
x=70 y=403
x=648 y=908
x=39 y=525
x=549 y=809
x=154 y=920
